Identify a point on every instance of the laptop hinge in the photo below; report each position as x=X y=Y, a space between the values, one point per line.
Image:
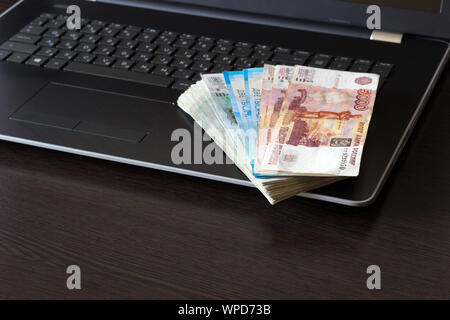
x=384 y=36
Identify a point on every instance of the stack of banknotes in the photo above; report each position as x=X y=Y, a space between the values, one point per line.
x=290 y=129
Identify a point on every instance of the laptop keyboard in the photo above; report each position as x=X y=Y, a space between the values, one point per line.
x=156 y=57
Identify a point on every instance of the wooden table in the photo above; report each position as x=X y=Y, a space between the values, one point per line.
x=141 y=233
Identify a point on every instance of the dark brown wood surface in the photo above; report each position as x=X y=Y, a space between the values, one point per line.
x=140 y=233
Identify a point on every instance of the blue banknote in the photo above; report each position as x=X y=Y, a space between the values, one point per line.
x=241 y=106
x=253 y=83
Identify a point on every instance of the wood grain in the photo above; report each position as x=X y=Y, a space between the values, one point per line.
x=143 y=234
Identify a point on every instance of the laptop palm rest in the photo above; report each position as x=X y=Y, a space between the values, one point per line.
x=91 y=111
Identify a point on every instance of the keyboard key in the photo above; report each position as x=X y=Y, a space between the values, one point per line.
x=85 y=58
x=162 y=71
x=361 y=66
x=245 y=62
x=289 y=59
x=85 y=22
x=242 y=44
x=25 y=38
x=205 y=56
x=224 y=59
x=146 y=37
x=119 y=74
x=19 y=47
x=54 y=33
x=56 y=24
x=4 y=54
x=108 y=41
x=161 y=60
x=55 y=64
x=147 y=47
x=62 y=17
x=36 y=61
x=134 y=28
x=261 y=63
x=34 y=30
x=48 y=42
x=242 y=52
x=263 y=47
x=187 y=36
x=98 y=23
x=123 y=53
x=164 y=40
x=206 y=39
x=85 y=47
x=183 y=43
x=104 y=61
x=91 y=38
x=123 y=64
x=128 y=44
x=182 y=84
x=202 y=46
x=47 y=52
x=151 y=31
x=219 y=68
x=340 y=63
x=201 y=66
x=127 y=34
x=222 y=49
x=72 y=35
x=170 y=34
x=382 y=68
x=116 y=26
x=48 y=15
x=282 y=50
x=189 y=54
x=91 y=29
x=40 y=21
x=224 y=42
x=66 y=55
x=320 y=60
x=109 y=32
x=18 y=57
x=166 y=50
x=142 y=56
x=104 y=50
x=182 y=74
x=181 y=63
x=299 y=54
x=262 y=54
x=143 y=67
x=67 y=44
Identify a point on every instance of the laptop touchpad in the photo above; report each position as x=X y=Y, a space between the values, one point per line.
x=92 y=111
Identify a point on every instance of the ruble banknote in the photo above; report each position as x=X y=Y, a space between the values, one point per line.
x=273 y=101
x=322 y=125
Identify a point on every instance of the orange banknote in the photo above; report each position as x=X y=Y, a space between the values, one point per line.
x=321 y=125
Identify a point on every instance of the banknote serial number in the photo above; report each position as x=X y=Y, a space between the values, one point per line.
x=228 y=309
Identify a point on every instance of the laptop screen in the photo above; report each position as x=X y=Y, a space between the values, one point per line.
x=421 y=5
x=424 y=17
x=269 y=5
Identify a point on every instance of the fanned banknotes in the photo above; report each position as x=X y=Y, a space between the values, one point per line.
x=289 y=129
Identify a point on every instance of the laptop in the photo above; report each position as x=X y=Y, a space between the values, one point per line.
x=109 y=90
